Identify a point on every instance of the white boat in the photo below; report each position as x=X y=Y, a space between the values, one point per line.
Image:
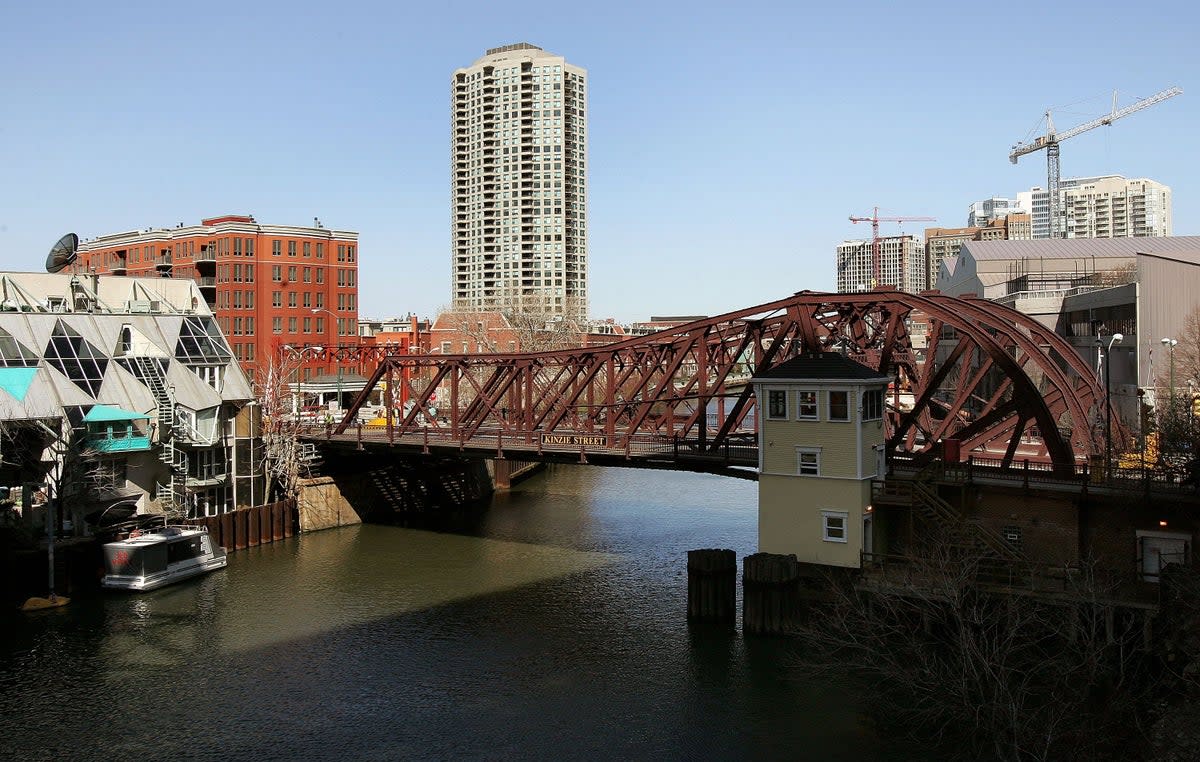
x=149 y=559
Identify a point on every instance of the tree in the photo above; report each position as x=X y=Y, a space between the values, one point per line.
x=529 y=323
x=990 y=674
x=285 y=457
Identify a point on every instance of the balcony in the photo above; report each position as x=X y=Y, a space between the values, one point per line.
x=205 y=255
x=111 y=429
x=207 y=475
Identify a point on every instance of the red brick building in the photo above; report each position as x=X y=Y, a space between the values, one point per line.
x=269 y=285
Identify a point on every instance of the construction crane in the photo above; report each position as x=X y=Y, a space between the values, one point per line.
x=1051 y=139
x=875 y=219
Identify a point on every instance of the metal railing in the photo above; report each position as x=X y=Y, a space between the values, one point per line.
x=1031 y=472
x=945 y=573
x=730 y=452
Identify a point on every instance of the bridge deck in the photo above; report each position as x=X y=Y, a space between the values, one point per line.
x=637 y=450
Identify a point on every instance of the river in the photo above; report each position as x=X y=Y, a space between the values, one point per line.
x=551 y=625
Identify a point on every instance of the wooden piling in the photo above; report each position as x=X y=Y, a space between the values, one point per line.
x=770 y=594
x=712 y=585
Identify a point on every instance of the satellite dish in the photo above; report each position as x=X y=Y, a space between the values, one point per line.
x=62 y=253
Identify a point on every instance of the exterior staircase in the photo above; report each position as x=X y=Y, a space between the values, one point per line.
x=922 y=496
x=172 y=494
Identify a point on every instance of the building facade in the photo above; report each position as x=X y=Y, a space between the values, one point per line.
x=121 y=394
x=1105 y=206
x=1088 y=291
x=901 y=264
x=1113 y=207
x=941 y=243
x=269 y=285
x=518 y=163
x=983 y=213
x=822 y=429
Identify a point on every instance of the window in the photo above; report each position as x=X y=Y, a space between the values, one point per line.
x=320 y=275
x=277 y=325
x=872 y=404
x=292 y=274
x=291 y=325
x=308 y=299
x=291 y=298
x=834 y=526
x=276 y=298
x=276 y=273
x=777 y=404
x=320 y=252
x=308 y=248
x=307 y=275
x=308 y=325
x=839 y=406
x=808 y=461
x=291 y=248
x=276 y=248
x=807 y=408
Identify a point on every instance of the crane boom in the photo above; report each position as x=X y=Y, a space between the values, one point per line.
x=1050 y=141
x=1021 y=149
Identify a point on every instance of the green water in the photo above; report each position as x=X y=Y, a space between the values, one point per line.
x=550 y=626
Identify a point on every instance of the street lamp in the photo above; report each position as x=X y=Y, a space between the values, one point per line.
x=1170 y=345
x=315 y=310
x=1116 y=338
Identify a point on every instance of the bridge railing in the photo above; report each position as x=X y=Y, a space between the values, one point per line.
x=1028 y=472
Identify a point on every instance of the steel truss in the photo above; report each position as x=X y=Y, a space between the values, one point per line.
x=997 y=381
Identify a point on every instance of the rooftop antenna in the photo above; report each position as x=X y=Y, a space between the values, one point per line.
x=62 y=253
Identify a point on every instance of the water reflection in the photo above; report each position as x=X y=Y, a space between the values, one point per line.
x=553 y=625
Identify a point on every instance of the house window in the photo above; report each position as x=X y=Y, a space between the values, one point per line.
x=833 y=526
x=807 y=409
x=872 y=405
x=777 y=404
x=839 y=406
x=808 y=461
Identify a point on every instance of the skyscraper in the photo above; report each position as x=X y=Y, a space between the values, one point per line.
x=519 y=190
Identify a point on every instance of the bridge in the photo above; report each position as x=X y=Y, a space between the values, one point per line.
x=999 y=383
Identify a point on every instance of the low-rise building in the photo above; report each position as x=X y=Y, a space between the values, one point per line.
x=120 y=395
x=822 y=442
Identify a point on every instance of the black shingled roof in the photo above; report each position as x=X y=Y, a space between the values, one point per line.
x=822 y=366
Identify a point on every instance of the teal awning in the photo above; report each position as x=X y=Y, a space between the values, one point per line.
x=112 y=413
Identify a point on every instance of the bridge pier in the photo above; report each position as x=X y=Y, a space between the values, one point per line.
x=507 y=472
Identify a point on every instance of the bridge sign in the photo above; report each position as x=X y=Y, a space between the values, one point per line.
x=574 y=440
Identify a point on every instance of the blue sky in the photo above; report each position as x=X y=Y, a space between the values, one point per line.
x=728 y=143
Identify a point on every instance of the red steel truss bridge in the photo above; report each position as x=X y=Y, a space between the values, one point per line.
x=1001 y=384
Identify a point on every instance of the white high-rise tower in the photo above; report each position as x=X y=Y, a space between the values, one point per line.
x=519 y=183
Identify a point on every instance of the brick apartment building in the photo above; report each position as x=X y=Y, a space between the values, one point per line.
x=270 y=286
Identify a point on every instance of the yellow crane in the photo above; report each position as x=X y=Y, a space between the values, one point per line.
x=1051 y=139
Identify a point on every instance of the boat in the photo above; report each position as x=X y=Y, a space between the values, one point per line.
x=151 y=558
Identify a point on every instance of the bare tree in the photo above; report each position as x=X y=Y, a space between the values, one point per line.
x=528 y=323
x=285 y=456
x=991 y=674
